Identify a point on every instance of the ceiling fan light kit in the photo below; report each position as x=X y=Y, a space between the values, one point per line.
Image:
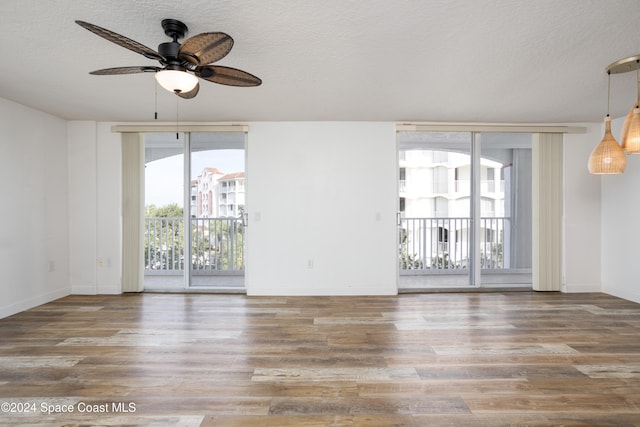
x=176 y=81
x=182 y=64
x=608 y=157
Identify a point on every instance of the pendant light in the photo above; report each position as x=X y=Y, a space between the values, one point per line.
x=608 y=157
x=630 y=141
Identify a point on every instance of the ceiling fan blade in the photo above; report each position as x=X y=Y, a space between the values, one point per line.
x=227 y=76
x=205 y=48
x=125 y=70
x=121 y=40
x=191 y=94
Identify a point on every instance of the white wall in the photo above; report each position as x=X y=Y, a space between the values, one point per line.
x=321 y=199
x=109 y=210
x=621 y=228
x=34 y=238
x=82 y=206
x=94 y=208
x=581 y=213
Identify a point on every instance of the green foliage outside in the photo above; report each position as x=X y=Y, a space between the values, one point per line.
x=163 y=243
x=217 y=243
x=168 y=211
x=408 y=261
x=412 y=261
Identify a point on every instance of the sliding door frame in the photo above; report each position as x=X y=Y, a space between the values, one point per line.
x=547 y=235
x=132 y=137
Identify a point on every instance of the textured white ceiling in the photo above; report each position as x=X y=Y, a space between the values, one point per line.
x=506 y=61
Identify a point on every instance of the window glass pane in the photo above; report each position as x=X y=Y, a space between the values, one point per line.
x=434 y=197
x=218 y=199
x=506 y=220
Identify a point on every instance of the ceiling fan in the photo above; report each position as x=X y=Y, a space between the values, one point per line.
x=182 y=64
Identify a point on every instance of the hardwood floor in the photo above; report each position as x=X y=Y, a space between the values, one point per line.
x=475 y=359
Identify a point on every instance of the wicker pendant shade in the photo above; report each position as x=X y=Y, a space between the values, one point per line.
x=631 y=129
x=608 y=157
x=631 y=132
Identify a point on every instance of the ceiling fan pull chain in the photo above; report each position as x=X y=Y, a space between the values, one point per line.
x=156 y=106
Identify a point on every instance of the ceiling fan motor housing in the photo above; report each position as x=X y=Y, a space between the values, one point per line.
x=169 y=50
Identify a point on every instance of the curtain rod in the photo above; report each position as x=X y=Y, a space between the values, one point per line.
x=405 y=127
x=181 y=128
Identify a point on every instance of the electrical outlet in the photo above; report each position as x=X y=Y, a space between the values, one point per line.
x=310 y=263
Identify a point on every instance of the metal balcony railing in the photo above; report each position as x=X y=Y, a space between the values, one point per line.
x=442 y=244
x=216 y=246
x=426 y=244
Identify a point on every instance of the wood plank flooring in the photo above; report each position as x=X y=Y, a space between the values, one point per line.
x=475 y=359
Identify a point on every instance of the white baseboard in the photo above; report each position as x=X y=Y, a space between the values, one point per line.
x=624 y=293
x=26 y=304
x=96 y=290
x=112 y=289
x=84 y=290
x=581 y=287
x=285 y=290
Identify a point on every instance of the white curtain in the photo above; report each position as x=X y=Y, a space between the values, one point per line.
x=547 y=211
x=132 y=212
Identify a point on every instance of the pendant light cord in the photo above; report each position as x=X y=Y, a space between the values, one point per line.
x=608 y=93
x=638 y=81
x=177 y=117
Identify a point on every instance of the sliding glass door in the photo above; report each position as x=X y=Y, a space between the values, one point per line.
x=505 y=208
x=464 y=210
x=194 y=211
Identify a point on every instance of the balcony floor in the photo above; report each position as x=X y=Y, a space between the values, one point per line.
x=175 y=283
x=453 y=282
